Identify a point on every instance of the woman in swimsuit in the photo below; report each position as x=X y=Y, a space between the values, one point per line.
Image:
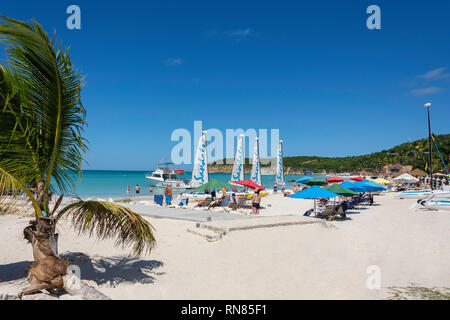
x=256 y=200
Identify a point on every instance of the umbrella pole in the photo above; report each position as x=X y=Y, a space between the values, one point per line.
x=315 y=213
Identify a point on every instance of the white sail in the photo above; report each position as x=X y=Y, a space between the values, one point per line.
x=238 y=167
x=256 y=166
x=279 y=178
x=200 y=171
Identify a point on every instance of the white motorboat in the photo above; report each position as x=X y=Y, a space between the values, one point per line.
x=163 y=176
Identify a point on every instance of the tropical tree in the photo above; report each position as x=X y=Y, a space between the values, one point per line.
x=42 y=122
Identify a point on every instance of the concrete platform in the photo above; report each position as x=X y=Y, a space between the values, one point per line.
x=185 y=214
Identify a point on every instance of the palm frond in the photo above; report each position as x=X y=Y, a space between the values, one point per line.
x=50 y=107
x=109 y=220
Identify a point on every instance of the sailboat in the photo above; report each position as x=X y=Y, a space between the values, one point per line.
x=279 y=177
x=200 y=174
x=256 y=165
x=238 y=167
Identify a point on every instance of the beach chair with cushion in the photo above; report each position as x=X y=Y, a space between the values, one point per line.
x=341 y=212
x=241 y=202
x=328 y=213
x=225 y=202
x=205 y=203
x=215 y=203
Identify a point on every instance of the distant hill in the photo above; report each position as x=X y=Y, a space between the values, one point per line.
x=413 y=153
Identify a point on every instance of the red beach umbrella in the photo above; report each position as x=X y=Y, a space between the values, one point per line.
x=357 y=178
x=334 y=179
x=248 y=183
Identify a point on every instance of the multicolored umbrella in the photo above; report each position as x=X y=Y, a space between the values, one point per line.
x=315 y=182
x=213 y=185
x=340 y=190
x=314 y=192
x=334 y=180
x=353 y=187
x=303 y=179
x=248 y=184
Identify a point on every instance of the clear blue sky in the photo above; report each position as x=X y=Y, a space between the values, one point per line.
x=310 y=68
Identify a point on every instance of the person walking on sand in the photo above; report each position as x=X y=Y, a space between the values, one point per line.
x=275 y=187
x=128 y=190
x=137 y=189
x=256 y=200
x=168 y=194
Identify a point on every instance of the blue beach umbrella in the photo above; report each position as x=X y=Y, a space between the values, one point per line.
x=371 y=186
x=314 y=192
x=303 y=179
x=354 y=186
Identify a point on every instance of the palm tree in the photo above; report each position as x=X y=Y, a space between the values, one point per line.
x=42 y=148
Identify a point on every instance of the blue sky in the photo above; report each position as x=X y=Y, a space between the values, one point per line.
x=311 y=69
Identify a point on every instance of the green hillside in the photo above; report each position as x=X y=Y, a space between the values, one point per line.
x=413 y=153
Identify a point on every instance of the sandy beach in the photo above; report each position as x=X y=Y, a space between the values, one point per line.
x=313 y=260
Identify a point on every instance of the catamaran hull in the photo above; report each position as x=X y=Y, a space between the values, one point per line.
x=442 y=205
x=440 y=194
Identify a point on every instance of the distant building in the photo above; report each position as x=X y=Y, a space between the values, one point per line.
x=396 y=168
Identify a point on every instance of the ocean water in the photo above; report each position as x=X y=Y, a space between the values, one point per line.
x=105 y=183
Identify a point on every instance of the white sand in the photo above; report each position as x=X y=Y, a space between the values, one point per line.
x=291 y=262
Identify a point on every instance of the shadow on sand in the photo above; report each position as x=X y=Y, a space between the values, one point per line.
x=13 y=271
x=101 y=270
x=114 y=269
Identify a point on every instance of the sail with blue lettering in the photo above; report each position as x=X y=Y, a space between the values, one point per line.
x=238 y=167
x=256 y=166
x=200 y=171
x=279 y=178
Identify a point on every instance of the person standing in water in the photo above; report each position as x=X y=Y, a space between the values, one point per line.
x=151 y=189
x=137 y=189
x=128 y=190
x=256 y=200
x=168 y=194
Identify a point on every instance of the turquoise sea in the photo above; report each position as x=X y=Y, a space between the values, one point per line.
x=105 y=183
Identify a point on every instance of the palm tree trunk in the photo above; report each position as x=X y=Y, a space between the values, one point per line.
x=75 y=287
x=47 y=269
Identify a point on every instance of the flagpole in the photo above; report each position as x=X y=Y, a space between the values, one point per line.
x=430 y=148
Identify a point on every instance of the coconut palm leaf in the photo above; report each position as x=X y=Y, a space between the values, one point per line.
x=109 y=220
x=50 y=118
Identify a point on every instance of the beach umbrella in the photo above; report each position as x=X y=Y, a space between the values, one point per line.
x=213 y=185
x=314 y=192
x=353 y=187
x=303 y=179
x=340 y=190
x=248 y=184
x=357 y=178
x=406 y=177
x=315 y=182
x=370 y=185
x=334 y=180
x=382 y=180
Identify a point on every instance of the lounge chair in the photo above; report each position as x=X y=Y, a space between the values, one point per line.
x=241 y=202
x=205 y=203
x=215 y=203
x=328 y=214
